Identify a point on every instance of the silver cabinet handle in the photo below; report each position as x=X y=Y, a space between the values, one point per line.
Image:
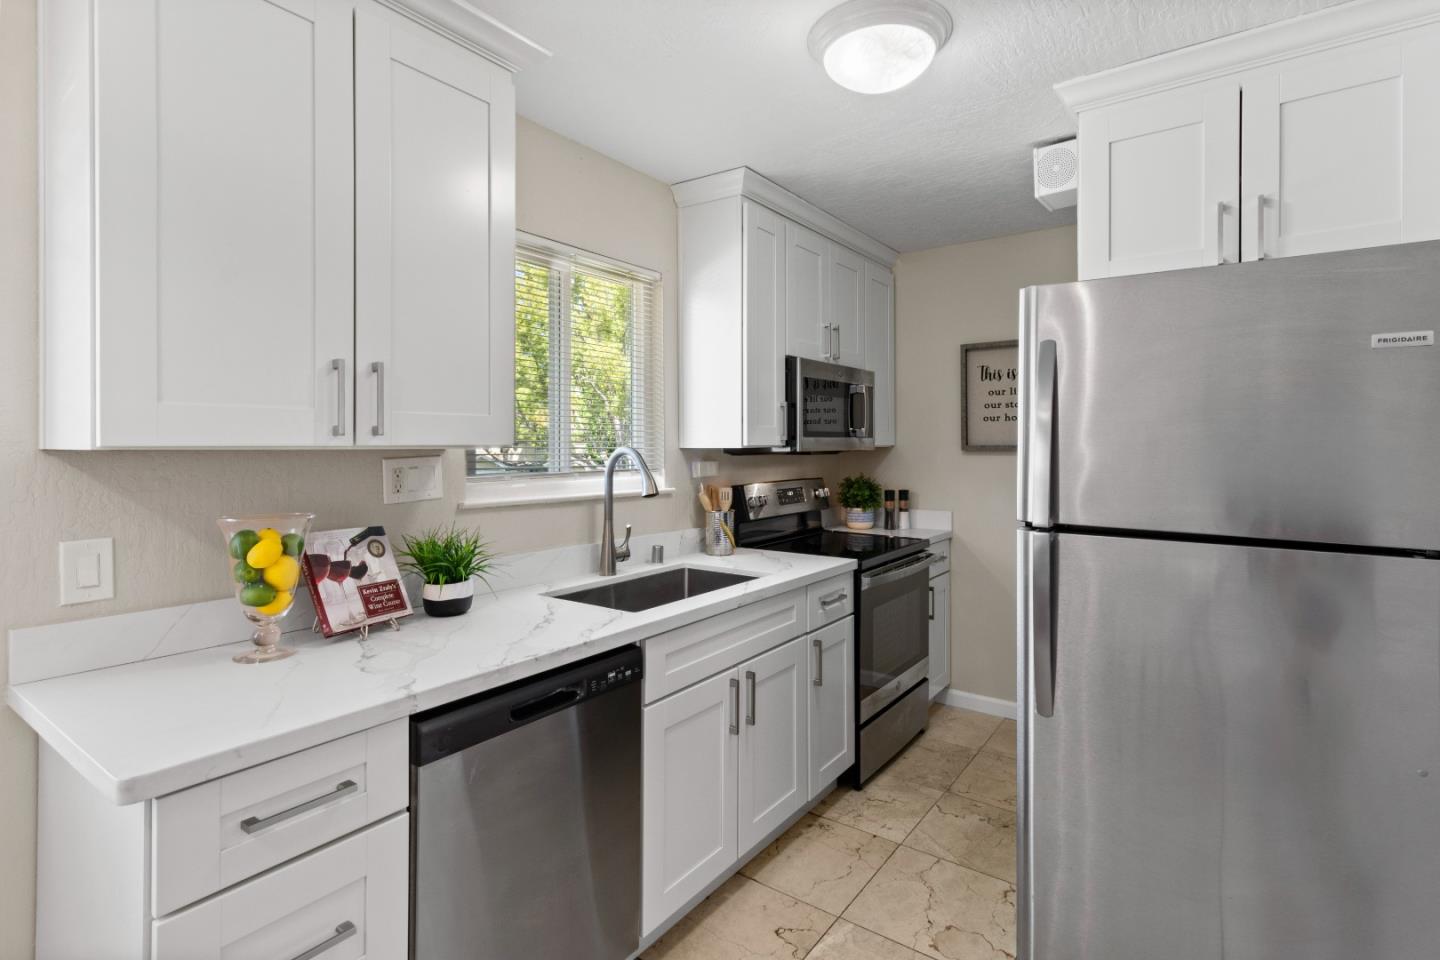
x=735 y=706
x=1221 y=207
x=750 y=698
x=338 y=365
x=837 y=597
x=255 y=824
x=1042 y=625
x=932 y=603
x=378 y=368
x=1042 y=439
x=829 y=335
x=342 y=933
x=835 y=342
x=1260 y=200
x=819 y=680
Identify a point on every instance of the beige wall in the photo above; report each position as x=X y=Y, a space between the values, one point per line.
x=944 y=297
x=160 y=507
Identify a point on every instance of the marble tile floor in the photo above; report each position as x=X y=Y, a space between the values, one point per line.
x=920 y=864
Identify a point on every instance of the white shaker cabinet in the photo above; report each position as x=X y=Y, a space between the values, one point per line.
x=808 y=331
x=939 y=600
x=831 y=704
x=1339 y=148
x=691 y=750
x=845 y=301
x=1161 y=183
x=774 y=775
x=435 y=238
x=220 y=180
x=763 y=336
x=196 y=260
x=879 y=307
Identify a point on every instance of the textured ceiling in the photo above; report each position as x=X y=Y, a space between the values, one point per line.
x=682 y=88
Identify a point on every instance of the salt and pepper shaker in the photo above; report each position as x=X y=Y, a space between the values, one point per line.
x=889 y=509
x=904 y=509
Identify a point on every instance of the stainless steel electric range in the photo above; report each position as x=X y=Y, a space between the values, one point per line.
x=891 y=610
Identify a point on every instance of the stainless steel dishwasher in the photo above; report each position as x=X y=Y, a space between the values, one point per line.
x=525 y=818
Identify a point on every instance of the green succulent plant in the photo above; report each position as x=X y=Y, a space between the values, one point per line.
x=442 y=556
x=860 y=492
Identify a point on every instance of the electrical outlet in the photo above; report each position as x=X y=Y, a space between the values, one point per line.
x=408 y=479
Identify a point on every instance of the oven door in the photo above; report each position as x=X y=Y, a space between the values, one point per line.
x=832 y=407
x=894 y=631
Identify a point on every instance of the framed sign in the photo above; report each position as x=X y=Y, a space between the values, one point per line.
x=989 y=395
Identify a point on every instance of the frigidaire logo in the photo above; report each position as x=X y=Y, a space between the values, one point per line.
x=1412 y=338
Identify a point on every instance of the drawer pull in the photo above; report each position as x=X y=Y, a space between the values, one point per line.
x=342 y=933
x=255 y=824
x=837 y=597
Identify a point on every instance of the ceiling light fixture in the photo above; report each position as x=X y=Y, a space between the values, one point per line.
x=876 y=46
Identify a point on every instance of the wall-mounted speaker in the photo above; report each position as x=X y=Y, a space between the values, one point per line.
x=1057 y=174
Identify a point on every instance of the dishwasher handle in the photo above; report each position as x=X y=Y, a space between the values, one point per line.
x=442 y=731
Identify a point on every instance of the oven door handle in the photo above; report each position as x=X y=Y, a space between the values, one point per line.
x=910 y=566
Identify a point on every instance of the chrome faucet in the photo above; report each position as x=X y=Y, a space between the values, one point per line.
x=611 y=552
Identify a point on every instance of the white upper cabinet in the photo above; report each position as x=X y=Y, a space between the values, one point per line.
x=807 y=331
x=1165 y=184
x=879 y=307
x=435 y=238
x=1339 y=148
x=845 y=289
x=1305 y=136
x=199 y=214
x=763 y=274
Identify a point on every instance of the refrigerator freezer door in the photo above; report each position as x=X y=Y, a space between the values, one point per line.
x=1244 y=757
x=1246 y=401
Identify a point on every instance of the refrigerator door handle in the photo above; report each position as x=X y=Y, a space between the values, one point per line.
x=1042 y=621
x=1042 y=437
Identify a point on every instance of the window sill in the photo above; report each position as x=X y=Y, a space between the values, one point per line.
x=529 y=491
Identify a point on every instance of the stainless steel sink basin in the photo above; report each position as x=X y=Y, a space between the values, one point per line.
x=655 y=590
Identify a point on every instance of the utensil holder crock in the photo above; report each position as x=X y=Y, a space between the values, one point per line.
x=717 y=536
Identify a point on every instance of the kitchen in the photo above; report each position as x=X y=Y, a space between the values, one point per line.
x=611 y=198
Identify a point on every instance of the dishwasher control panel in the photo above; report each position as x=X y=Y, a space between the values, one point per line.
x=613 y=678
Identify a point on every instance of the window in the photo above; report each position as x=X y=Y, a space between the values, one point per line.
x=588 y=365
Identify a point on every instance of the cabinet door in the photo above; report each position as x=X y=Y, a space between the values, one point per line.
x=1338 y=148
x=224 y=190
x=880 y=348
x=845 y=308
x=807 y=329
x=435 y=239
x=832 y=703
x=764 y=327
x=1160 y=188
x=691 y=743
x=939 y=635
x=774 y=779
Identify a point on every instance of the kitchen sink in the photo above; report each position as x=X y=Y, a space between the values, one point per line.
x=654 y=590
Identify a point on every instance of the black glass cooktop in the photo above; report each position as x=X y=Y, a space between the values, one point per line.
x=867 y=549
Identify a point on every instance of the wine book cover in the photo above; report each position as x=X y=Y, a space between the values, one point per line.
x=354 y=579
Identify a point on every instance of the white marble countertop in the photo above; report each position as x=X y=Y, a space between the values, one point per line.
x=149 y=728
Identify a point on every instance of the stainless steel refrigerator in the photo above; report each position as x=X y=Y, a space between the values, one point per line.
x=1229 y=613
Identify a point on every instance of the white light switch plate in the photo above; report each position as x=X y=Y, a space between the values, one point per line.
x=408 y=479
x=87 y=571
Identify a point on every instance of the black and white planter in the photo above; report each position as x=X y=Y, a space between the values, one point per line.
x=448 y=599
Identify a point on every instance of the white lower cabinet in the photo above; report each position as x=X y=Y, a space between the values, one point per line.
x=691 y=747
x=939 y=634
x=774 y=779
x=831 y=697
x=347 y=901
x=731 y=759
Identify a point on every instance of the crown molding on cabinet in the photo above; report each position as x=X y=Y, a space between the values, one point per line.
x=1334 y=26
x=744 y=182
x=475 y=29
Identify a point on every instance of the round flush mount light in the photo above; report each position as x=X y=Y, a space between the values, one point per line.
x=876 y=46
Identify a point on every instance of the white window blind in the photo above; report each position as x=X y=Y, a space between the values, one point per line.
x=588 y=365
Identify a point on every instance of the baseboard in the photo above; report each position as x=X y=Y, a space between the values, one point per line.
x=980 y=704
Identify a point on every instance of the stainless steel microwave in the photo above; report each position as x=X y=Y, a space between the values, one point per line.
x=828 y=407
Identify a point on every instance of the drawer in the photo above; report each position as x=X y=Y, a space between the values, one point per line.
x=688 y=655
x=830 y=600
x=346 y=902
x=941 y=563
x=216 y=834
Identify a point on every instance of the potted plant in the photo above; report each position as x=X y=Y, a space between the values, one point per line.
x=448 y=561
x=860 y=496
